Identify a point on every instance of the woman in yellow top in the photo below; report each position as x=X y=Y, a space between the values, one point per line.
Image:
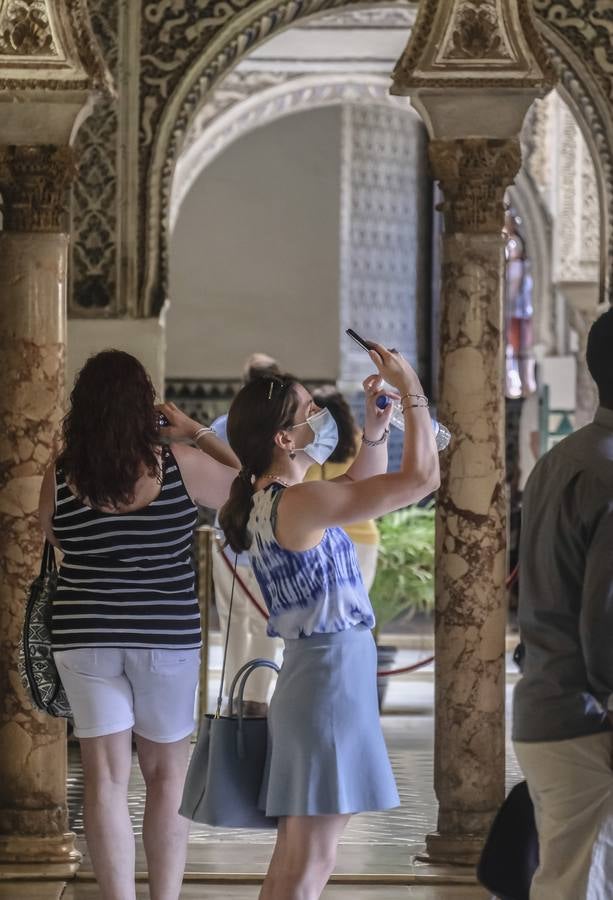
x=365 y=535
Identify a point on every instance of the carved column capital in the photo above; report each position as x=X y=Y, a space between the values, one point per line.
x=473 y=174
x=33 y=183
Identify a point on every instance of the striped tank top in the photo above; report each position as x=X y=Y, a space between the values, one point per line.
x=126 y=579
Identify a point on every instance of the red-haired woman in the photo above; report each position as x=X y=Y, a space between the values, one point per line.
x=125 y=622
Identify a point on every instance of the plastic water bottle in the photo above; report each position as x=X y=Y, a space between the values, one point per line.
x=442 y=435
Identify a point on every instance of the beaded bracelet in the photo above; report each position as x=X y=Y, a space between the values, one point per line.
x=404 y=406
x=416 y=397
x=378 y=443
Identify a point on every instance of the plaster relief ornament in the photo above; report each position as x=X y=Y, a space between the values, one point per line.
x=25 y=29
x=475 y=33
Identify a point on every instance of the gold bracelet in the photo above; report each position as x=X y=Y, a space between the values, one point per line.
x=405 y=405
x=416 y=397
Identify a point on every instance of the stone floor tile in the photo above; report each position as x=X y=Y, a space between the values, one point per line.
x=88 y=891
x=31 y=890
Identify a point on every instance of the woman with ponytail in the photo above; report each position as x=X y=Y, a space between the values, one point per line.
x=326 y=755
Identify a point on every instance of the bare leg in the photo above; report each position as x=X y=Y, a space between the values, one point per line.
x=165 y=832
x=266 y=893
x=110 y=839
x=304 y=858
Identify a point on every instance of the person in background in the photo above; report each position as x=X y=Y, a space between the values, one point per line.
x=125 y=619
x=563 y=703
x=248 y=638
x=365 y=534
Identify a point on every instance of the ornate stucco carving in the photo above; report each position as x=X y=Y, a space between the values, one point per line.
x=49 y=45
x=597 y=130
x=93 y=270
x=474 y=174
x=25 y=29
x=485 y=43
x=384 y=236
x=180 y=65
x=248 y=100
x=587 y=26
x=474 y=32
x=33 y=181
x=383 y=15
x=182 y=59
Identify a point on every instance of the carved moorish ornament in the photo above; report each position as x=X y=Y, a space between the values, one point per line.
x=25 y=29
x=49 y=45
x=33 y=181
x=474 y=174
x=475 y=32
x=483 y=43
x=183 y=55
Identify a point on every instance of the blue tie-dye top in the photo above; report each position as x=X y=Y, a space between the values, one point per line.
x=316 y=591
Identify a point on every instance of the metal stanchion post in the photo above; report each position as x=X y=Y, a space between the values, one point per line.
x=205 y=537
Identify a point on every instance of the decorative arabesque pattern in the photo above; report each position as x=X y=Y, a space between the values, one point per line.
x=587 y=25
x=384 y=242
x=475 y=33
x=383 y=233
x=272 y=95
x=34 y=181
x=94 y=207
x=179 y=68
x=25 y=29
x=174 y=42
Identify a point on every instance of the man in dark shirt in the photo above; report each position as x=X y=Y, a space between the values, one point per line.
x=563 y=702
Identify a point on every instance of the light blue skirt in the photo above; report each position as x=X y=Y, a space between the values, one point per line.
x=326 y=752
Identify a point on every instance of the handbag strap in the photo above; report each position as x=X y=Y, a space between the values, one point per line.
x=243 y=674
x=48 y=563
x=225 y=649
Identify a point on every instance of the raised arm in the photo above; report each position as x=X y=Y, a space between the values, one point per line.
x=372 y=456
x=207 y=471
x=182 y=428
x=305 y=510
x=207 y=481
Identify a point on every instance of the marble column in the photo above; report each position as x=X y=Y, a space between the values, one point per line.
x=471 y=509
x=34 y=831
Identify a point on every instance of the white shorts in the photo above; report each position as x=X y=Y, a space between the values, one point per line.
x=111 y=690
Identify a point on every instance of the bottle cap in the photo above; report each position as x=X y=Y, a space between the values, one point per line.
x=382 y=401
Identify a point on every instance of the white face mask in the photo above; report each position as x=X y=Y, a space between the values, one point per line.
x=325 y=430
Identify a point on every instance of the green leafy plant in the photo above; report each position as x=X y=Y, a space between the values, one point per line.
x=405 y=568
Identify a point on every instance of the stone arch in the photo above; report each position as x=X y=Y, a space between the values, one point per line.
x=267 y=104
x=242 y=33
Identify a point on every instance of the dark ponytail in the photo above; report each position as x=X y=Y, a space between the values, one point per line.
x=261 y=408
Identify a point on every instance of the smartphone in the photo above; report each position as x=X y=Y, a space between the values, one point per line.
x=365 y=345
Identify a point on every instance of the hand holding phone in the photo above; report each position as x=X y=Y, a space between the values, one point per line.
x=365 y=345
x=393 y=367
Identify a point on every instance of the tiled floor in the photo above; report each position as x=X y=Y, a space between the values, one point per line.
x=373 y=846
x=85 y=891
x=246 y=892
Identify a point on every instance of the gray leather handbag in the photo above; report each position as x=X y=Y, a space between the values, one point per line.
x=227 y=767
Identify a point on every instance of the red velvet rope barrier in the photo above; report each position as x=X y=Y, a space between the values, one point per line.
x=380 y=674
x=241 y=583
x=264 y=614
x=413 y=668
